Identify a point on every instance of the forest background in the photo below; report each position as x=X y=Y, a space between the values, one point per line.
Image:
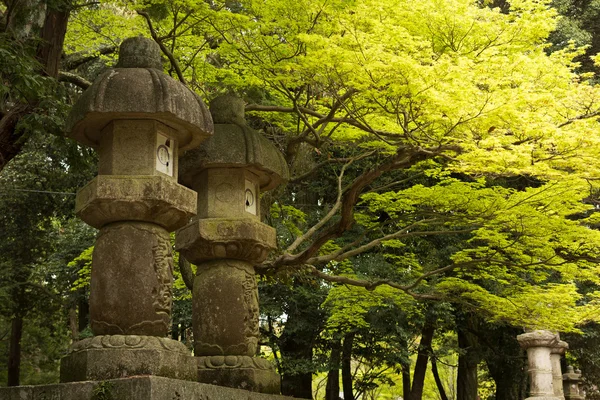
x=445 y=164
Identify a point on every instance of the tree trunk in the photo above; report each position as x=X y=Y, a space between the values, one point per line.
x=14 y=352
x=73 y=322
x=508 y=367
x=436 y=377
x=468 y=358
x=332 y=390
x=51 y=36
x=296 y=348
x=347 y=366
x=295 y=383
x=406 y=380
x=83 y=315
x=418 y=383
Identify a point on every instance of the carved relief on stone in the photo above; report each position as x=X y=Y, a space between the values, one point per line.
x=214 y=238
x=252 y=312
x=163 y=267
x=130 y=291
x=226 y=285
x=227 y=362
x=129 y=342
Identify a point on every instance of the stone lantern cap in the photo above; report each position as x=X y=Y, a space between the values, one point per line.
x=138 y=89
x=538 y=338
x=560 y=348
x=235 y=145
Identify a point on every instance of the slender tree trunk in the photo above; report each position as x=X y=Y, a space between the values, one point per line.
x=406 y=380
x=83 y=315
x=418 y=383
x=14 y=352
x=468 y=359
x=436 y=377
x=73 y=327
x=347 y=366
x=332 y=390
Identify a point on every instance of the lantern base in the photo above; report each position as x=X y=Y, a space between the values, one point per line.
x=239 y=372
x=134 y=388
x=120 y=356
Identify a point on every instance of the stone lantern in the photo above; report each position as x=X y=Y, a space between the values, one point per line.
x=572 y=384
x=539 y=345
x=226 y=241
x=139 y=120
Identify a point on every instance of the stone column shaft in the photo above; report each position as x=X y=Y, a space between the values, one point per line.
x=557 y=376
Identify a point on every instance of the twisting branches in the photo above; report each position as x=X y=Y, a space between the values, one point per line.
x=164 y=49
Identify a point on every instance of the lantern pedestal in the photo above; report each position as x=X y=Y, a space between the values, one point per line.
x=248 y=373
x=117 y=356
x=132 y=388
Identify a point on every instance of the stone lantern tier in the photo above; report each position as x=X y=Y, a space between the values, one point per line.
x=572 y=384
x=137 y=89
x=539 y=344
x=226 y=241
x=138 y=119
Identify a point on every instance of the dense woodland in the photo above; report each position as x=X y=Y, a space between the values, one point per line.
x=445 y=157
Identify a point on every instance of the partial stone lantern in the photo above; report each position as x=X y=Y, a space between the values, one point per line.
x=556 y=353
x=572 y=384
x=139 y=119
x=226 y=241
x=539 y=345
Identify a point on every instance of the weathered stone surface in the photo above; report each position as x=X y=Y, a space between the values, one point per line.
x=222 y=193
x=572 y=384
x=120 y=356
x=240 y=372
x=131 y=283
x=213 y=238
x=234 y=144
x=135 y=388
x=139 y=90
x=129 y=147
x=538 y=345
x=128 y=342
x=556 y=354
x=225 y=295
x=157 y=199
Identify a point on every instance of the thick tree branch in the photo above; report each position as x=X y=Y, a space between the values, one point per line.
x=338 y=203
x=75 y=60
x=74 y=79
x=404 y=158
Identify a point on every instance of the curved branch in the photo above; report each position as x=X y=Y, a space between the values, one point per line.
x=164 y=49
x=405 y=157
x=74 y=60
x=74 y=79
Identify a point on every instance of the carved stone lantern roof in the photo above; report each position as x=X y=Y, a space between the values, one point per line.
x=138 y=89
x=234 y=144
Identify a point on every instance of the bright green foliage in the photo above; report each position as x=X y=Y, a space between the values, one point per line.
x=83 y=265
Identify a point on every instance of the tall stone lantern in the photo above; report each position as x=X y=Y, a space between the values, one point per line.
x=139 y=120
x=226 y=241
